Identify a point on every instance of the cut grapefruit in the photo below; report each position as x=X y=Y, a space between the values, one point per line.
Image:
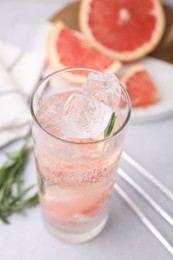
x=70 y=205
x=140 y=86
x=66 y=48
x=125 y=30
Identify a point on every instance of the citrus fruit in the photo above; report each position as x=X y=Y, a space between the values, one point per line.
x=125 y=30
x=66 y=48
x=140 y=86
x=65 y=205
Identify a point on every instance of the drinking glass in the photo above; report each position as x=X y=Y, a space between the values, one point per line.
x=75 y=177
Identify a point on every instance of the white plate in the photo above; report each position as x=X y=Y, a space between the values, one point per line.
x=161 y=72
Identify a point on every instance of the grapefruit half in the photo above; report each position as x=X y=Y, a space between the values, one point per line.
x=140 y=86
x=66 y=48
x=125 y=30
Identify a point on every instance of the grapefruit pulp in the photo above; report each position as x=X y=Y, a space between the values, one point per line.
x=125 y=30
x=140 y=86
x=66 y=48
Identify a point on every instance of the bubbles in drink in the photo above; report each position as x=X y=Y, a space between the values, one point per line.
x=49 y=114
x=76 y=180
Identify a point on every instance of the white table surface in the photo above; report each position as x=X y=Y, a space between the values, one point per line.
x=125 y=237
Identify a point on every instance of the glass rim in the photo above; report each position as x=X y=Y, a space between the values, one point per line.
x=64 y=140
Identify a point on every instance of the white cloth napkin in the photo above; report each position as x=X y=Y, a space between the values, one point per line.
x=19 y=74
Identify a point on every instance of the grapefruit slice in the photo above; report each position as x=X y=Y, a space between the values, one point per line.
x=70 y=205
x=66 y=48
x=140 y=86
x=125 y=30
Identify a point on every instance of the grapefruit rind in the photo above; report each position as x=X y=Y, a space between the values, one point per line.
x=130 y=72
x=54 y=61
x=124 y=56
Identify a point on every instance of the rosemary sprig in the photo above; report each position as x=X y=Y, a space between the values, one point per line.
x=41 y=183
x=12 y=196
x=110 y=126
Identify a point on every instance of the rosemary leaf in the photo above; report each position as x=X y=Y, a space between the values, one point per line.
x=110 y=126
x=3 y=218
x=12 y=196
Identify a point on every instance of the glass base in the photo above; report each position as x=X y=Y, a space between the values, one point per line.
x=76 y=238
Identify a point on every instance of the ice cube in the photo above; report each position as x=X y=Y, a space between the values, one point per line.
x=84 y=117
x=49 y=114
x=104 y=87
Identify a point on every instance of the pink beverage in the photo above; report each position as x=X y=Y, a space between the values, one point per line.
x=76 y=163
